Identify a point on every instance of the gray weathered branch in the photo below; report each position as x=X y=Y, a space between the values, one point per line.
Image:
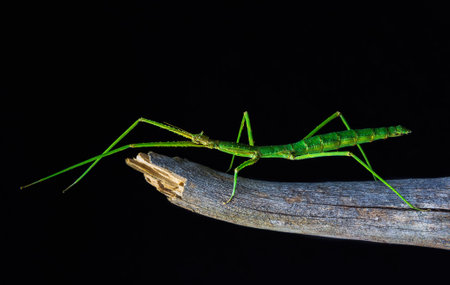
x=351 y=210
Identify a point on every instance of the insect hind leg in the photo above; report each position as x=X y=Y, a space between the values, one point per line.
x=338 y=114
x=359 y=147
x=349 y=154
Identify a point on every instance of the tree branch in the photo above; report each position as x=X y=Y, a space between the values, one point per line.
x=350 y=210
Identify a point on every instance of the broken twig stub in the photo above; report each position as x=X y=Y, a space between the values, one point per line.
x=349 y=210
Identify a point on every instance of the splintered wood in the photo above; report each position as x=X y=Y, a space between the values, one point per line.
x=349 y=210
x=165 y=181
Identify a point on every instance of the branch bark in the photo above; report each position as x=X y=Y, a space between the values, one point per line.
x=349 y=210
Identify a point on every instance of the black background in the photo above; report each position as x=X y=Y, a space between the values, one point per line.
x=77 y=75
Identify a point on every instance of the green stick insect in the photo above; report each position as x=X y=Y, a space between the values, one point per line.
x=311 y=146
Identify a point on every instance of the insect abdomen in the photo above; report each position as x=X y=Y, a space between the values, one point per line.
x=333 y=141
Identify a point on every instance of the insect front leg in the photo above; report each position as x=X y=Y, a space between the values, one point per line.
x=114 y=151
x=170 y=128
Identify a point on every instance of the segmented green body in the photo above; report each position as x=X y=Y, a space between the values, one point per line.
x=309 y=147
x=315 y=144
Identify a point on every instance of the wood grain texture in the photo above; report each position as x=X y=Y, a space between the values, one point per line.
x=349 y=210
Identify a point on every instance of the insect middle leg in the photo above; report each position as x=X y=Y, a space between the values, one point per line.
x=236 y=170
x=366 y=166
x=246 y=121
x=332 y=117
